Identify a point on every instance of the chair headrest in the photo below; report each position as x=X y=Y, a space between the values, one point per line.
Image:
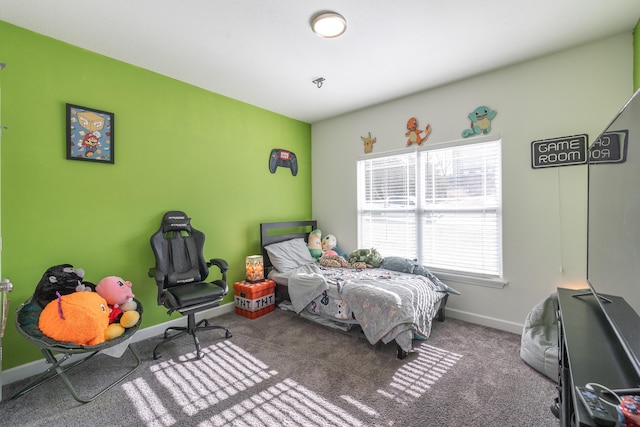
x=176 y=220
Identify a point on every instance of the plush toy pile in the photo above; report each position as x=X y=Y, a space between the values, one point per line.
x=81 y=312
x=330 y=256
x=326 y=252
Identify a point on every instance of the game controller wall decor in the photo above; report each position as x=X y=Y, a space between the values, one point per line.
x=284 y=158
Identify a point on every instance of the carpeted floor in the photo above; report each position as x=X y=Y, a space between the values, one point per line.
x=281 y=369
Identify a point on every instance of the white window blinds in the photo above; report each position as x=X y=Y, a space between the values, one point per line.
x=441 y=206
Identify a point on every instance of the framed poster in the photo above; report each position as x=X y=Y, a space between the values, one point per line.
x=89 y=134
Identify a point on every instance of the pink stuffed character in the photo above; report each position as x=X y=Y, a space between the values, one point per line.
x=115 y=290
x=329 y=242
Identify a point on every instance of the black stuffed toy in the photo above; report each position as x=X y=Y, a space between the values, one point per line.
x=63 y=279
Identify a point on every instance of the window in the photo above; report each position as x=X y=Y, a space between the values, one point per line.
x=440 y=204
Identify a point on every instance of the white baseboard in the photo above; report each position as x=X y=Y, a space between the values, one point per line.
x=38 y=366
x=479 y=319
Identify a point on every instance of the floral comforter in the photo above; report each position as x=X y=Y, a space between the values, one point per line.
x=388 y=305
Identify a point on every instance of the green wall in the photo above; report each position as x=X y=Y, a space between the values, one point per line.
x=176 y=147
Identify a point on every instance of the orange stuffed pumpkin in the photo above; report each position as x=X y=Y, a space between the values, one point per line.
x=80 y=318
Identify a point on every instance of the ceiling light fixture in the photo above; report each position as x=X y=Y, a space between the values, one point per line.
x=329 y=24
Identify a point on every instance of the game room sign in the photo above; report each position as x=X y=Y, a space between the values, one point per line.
x=611 y=147
x=563 y=151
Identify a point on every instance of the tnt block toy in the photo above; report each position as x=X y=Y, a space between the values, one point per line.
x=254 y=299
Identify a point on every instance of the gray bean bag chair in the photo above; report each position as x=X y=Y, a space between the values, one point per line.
x=539 y=343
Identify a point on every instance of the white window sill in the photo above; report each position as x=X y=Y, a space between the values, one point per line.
x=447 y=276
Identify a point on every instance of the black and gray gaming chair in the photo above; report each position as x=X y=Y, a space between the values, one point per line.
x=181 y=273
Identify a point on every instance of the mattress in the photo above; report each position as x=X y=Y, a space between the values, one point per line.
x=386 y=304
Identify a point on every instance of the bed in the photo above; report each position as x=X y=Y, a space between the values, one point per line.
x=387 y=304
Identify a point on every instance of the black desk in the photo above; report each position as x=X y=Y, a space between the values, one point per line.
x=589 y=351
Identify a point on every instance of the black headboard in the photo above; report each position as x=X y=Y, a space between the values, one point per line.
x=276 y=232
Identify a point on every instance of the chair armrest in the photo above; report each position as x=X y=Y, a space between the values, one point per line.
x=222 y=265
x=159 y=277
x=156 y=274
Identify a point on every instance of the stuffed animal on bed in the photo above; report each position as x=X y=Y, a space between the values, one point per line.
x=369 y=256
x=315 y=243
x=63 y=279
x=329 y=242
x=330 y=246
x=337 y=261
x=80 y=318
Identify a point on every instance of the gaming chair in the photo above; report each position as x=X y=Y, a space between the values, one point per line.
x=181 y=276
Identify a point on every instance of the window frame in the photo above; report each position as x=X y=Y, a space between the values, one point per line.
x=478 y=278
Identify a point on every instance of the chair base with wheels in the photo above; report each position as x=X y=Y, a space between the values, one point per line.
x=27 y=324
x=191 y=329
x=181 y=274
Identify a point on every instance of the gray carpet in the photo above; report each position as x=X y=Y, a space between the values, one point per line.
x=281 y=369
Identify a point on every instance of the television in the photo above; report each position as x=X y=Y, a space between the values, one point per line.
x=613 y=226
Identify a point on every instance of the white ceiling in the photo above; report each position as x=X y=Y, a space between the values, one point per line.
x=263 y=51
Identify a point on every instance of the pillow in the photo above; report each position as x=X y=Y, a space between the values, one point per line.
x=405 y=265
x=289 y=255
x=396 y=263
